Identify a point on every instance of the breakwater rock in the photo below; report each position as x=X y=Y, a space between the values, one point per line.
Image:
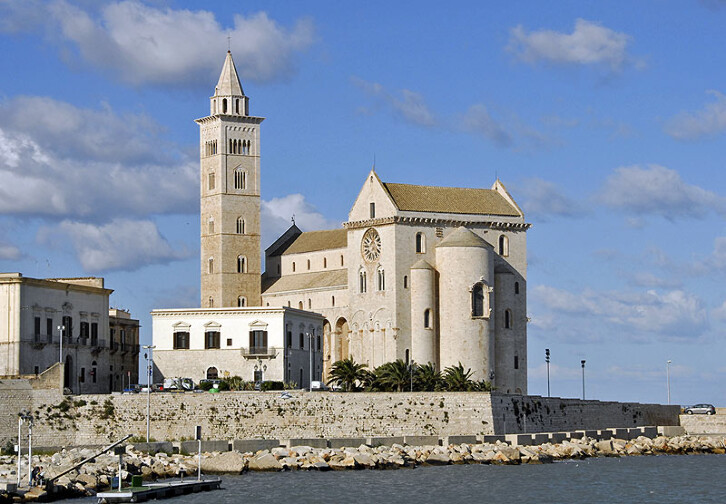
x=98 y=474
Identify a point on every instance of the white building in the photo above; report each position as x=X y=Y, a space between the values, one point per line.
x=36 y=312
x=255 y=343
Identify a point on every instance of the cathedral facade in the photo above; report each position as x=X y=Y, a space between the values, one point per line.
x=418 y=273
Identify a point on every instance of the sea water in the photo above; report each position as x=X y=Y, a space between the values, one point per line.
x=648 y=479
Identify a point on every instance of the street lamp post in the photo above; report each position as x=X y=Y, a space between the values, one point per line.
x=29 y=419
x=582 y=363
x=61 y=328
x=20 y=423
x=149 y=364
x=668 y=379
x=310 y=342
x=547 y=360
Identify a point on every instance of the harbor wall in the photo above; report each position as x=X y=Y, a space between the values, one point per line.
x=97 y=419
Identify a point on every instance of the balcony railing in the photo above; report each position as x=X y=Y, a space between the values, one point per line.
x=259 y=352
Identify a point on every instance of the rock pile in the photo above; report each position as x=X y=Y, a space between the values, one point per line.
x=98 y=475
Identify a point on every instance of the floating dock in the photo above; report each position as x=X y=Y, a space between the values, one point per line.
x=162 y=490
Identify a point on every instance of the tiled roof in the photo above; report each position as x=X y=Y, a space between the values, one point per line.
x=319 y=240
x=416 y=198
x=303 y=281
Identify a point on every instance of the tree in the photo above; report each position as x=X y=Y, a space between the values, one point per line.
x=347 y=374
x=427 y=378
x=395 y=375
x=458 y=380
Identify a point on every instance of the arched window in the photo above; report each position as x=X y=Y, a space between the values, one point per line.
x=211 y=302
x=240 y=225
x=420 y=243
x=236 y=106
x=241 y=301
x=373 y=210
x=211 y=181
x=300 y=305
x=477 y=301
x=507 y=318
x=244 y=180
x=212 y=373
x=224 y=105
x=405 y=281
x=381 y=279
x=427 y=318
x=210 y=225
x=362 y=281
x=241 y=264
x=310 y=303
x=503 y=246
x=239 y=178
x=516 y=287
x=210 y=265
x=332 y=301
x=325 y=262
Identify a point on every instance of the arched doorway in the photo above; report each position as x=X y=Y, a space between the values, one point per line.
x=68 y=375
x=212 y=373
x=327 y=350
x=342 y=332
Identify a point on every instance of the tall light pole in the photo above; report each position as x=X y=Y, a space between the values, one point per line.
x=582 y=362
x=61 y=328
x=668 y=379
x=149 y=364
x=547 y=360
x=310 y=342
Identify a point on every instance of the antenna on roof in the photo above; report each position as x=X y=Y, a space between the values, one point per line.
x=293 y=219
x=229 y=43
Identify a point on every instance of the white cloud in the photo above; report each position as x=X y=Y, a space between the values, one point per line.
x=277 y=213
x=588 y=44
x=89 y=163
x=708 y=121
x=9 y=252
x=657 y=190
x=143 y=44
x=410 y=106
x=719 y=312
x=649 y=280
x=477 y=119
x=541 y=199
x=672 y=315
x=122 y=244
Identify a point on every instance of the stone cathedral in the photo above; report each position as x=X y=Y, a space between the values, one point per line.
x=422 y=273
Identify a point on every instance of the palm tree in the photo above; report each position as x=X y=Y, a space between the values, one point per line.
x=458 y=380
x=396 y=375
x=346 y=374
x=428 y=378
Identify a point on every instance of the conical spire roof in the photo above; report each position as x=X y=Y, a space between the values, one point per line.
x=228 y=84
x=463 y=237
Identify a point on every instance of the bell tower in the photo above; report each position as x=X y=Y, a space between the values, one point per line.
x=229 y=151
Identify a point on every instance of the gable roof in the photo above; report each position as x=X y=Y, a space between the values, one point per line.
x=313 y=241
x=460 y=200
x=303 y=281
x=284 y=241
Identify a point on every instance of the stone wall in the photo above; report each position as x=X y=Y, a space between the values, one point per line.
x=97 y=419
x=705 y=424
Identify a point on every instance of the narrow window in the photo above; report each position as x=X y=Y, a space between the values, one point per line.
x=319 y=345
x=507 y=318
x=37 y=328
x=310 y=303
x=341 y=260
x=516 y=287
x=405 y=281
x=289 y=339
x=244 y=180
x=427 y=318
x=224 y=105
x=516 y=362
x=373 y=210
x=211 y=302
x=210 y=264
x=211 y=339
x=236 y=106
x=241 y=301
x=293 y=266
x=240 y=226
x=181 y=340
x=37 y=369
x=325 y=262
x=308 y=264
x=211 y=181
x=362 y=285
x=302 y=341
x=332 y=301
x=300 y=305
x=49 y=328
x=381 y=279
x=258 y=342
x=408 y=352
x=94 y=333
x=229 y=341
x=420 y=243
x=503 y=246
x=241 y=264
x=477 y=301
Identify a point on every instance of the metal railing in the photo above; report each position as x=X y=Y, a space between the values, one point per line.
x=259 y=352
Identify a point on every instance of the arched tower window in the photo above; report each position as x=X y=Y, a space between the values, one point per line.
x=240 y=225
x=210 y=265
x=381 y=279
x=239 y=179
x=241 y=264
x=420 y=243
x=211 y=302
x=241 y=301
x=516 y=287
x=405 y=281
x=507 y=318
x=427 y=318
x=236 y=106
x=477 y=301
x=362 y=281
x=503 y=246
x=224 y=105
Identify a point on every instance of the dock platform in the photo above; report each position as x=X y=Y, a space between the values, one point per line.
x=162 y=490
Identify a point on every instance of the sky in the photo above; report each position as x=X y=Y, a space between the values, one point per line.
x=606 y=121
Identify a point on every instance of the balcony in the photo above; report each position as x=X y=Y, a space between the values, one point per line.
x=97 y=345
x=259 y=352
x=40 y=340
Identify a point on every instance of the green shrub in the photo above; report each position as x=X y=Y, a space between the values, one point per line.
x=272 y=385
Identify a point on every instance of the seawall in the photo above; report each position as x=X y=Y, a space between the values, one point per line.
x=96 y=419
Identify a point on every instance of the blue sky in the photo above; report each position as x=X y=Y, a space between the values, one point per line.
x=605 y=120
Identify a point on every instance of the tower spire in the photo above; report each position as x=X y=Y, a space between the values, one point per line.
x=228 y=84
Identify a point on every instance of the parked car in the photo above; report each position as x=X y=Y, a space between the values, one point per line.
x=700 y=409
x=318 y=385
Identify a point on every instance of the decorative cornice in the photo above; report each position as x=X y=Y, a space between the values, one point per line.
x=434 y=220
